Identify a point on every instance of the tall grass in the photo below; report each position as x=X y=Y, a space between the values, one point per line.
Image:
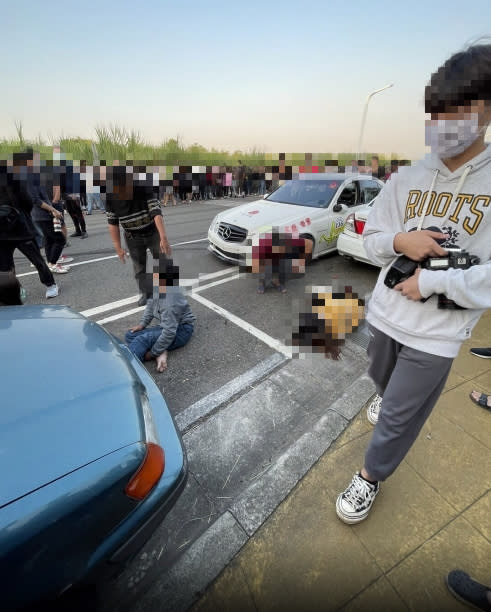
x=116 y=143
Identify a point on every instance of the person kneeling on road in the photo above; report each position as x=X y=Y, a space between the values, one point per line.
x=169 y=306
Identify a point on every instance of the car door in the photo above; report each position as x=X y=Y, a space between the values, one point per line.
x=335 y=217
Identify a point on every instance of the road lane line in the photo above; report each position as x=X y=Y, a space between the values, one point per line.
x=111 y=306
x=71 y=265
x=254 y=331
x=215 y=283
x=120 y=315
x=189 y=242
x=82 y=263
x=97 y=310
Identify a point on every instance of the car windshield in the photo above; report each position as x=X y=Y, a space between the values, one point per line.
x=316 y=193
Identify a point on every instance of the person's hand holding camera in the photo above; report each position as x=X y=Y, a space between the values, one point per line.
x=419 y=245
x=410 y=287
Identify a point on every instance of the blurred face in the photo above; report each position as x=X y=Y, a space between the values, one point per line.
x=454 y=131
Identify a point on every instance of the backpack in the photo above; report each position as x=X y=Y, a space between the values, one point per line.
x=13 y=224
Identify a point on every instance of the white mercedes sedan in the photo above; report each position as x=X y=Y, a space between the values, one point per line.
x=314 y=206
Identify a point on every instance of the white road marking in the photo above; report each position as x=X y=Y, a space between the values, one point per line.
x=187 y=282
x=275 y=344
x=72 y=265
x=254 y=331
x=111 y=306
x=189 y=242
x=215 y=283
x=120 y=315
x=88 y=261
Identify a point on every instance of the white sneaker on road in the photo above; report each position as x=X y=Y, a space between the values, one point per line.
x=354 y=503
x=64 y=260
x=58 y=269
x=52 y=291
x=373 y=409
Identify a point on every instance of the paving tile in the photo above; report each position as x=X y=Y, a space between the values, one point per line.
x=378 y=596
x=479 y=515
x=304 y=558
x=405 y=505
x=419 y=580
x=458 y=408
x=453 y=380
x=358 y=426
x=229 y=593
x=456 y=464
x=469 y=365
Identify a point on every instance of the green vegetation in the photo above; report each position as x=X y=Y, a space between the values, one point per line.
x=116 y=143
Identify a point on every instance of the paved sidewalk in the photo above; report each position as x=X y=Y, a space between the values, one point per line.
x=431 y=516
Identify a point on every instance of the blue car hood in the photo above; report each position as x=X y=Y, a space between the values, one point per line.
x=68 y=396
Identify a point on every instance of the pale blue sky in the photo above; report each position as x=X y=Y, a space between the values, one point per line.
x=281 y=76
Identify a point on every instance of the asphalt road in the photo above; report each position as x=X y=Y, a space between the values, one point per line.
x=237 y=329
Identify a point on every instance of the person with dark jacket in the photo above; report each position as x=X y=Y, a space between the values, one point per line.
x=134 y=205
x=16 y=226
x=70 y=189
x=46 y=215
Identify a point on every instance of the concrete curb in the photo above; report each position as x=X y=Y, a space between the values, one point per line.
x=184 y=582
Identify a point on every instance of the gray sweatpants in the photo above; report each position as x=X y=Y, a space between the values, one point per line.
x=410 y=383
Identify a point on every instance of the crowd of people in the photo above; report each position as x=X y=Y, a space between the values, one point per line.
x=414 y=338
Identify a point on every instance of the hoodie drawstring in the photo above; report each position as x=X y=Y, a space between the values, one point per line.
x=456 y=192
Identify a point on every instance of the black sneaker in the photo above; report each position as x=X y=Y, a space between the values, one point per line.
x=354 y=503
x=485 y=353
x=469 y=591
x=75 y=234
x=142 y=301
x=84 y=235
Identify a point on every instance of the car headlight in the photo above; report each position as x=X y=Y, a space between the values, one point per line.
x=153 y=465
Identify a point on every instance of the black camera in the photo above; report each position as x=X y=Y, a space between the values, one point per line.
x=403 y=268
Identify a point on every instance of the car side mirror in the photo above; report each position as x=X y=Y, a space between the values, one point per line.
x=337 y=208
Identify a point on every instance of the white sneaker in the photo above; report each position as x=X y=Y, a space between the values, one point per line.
x=64 y=260
x=353 y=505
x=57 y=269
x=373 y=409
x=52 y=291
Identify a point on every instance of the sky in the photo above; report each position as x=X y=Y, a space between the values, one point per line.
x=275 y=76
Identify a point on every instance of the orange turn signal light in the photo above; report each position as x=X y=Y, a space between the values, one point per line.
x=148 y=474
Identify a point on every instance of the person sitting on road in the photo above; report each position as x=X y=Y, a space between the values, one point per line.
x=168 y=305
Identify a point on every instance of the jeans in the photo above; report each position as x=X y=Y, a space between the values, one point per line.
x=94 y=199
x=279 y=268
x=140 y=342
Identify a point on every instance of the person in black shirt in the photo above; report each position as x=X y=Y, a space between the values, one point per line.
x=16 y=226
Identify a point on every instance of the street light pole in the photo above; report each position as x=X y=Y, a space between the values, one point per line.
x=363 y=119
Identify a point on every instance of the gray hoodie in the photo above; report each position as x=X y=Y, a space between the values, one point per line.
x=460 y=205
x=171 y=309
